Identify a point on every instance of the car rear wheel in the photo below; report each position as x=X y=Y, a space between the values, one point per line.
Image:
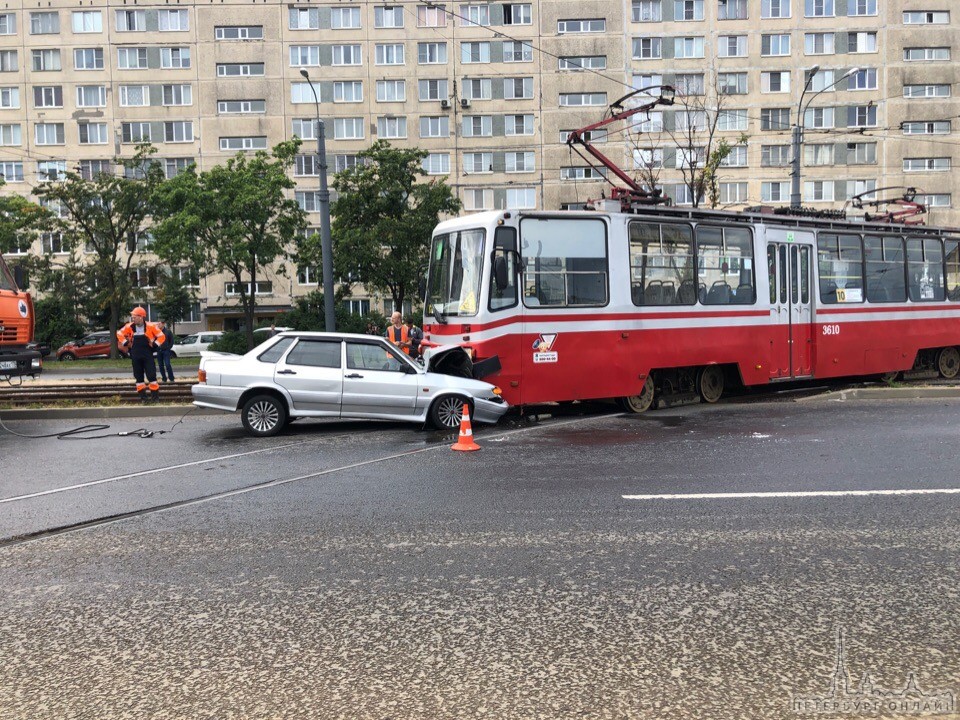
x=446 y=412
x=264 y=415
x=67 y=357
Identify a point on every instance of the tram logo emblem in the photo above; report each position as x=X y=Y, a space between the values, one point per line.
x=22 y=307
x=845 y=697
x=543 y=351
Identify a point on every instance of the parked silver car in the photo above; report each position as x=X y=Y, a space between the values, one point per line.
x=307 y=374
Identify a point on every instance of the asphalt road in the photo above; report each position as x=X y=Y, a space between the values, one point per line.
x=361 y=570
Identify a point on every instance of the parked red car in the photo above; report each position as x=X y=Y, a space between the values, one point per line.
x=93 y=345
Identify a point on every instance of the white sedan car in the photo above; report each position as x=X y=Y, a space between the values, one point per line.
x=309 y=374
x=193 y=345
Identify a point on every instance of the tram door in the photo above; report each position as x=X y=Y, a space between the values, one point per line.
x=791 y=310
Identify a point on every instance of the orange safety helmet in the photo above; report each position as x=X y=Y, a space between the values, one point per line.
x=139 y=311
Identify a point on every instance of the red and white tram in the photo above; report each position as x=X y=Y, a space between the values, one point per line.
x=573 y=305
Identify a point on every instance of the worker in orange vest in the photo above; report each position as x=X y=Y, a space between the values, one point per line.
x=398 y=333
x=140 y=338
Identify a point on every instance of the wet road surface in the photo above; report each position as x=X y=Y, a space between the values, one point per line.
x=379 y=575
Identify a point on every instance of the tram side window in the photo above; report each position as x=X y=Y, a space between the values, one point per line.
x=725 y=266
x=840 y=266
x=952 y=248
x=565 y=262
x=661 y=264
x=885 y=270
x=925 y=270
x=504 y=263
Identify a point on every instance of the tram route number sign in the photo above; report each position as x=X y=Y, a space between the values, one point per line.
x=845 y=295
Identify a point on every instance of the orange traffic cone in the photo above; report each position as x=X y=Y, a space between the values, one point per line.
x=465 y=442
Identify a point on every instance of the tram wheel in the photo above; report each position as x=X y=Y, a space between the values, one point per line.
x=710 y=383
x=948 y=362
x=642 y=402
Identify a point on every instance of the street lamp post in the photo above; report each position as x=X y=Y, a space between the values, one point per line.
x=798 y=130
x=326 y=244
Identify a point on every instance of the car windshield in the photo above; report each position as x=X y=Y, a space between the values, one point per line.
x=188 y=339
x=6 y=278
x=456 y=260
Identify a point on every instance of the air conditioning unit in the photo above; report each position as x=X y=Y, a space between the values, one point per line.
x=464 y=103
x=444 y=104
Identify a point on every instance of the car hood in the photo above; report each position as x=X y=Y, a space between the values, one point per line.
x=456 y=360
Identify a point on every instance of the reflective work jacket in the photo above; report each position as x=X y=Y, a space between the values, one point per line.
x=143 y=344
x=404 y=337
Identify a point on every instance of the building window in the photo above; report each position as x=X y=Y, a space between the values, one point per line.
x=345 y=18
x=732 y=10
x=305 y=166
x=241 y=107
x=580 y=173
x=474 y=15
x=478 y=88
x=93 y=133
x=91 y=96
x=774 y=45
x=518 y=125
x=865 y=79
x=132 y=58
x=131 y=20
x=862 y=7
x=478 y=126
x=173 y=20
x=10 y=135
x=8 y=24
x=647 y=48
x=477 y=163
x=861 y=153
x=90 y=169
x=862 y=116
x=818 y=8
x=733 y=193
x=174 y=58
x=135 y=132
x=647 y=158
x=582 y=99
x=88 y=59
x=927 y=18
x=515 y=51
x=936 y=200
x=432 y=53
x=391 y=127
x=347 y=55
x=521 y=198
x=774 y=9
x=391 y=91
x=475 y=52
x=178 y=131
x=431 y=16
x=862 y=42
x=241 y=32
x=732 y=46
x=436 y=164
x=304 y=55
x=818 y=118
x=348 y=128
x=348 y=91
x=240 y=69
x=53 y=244
x=10 y=97
x=930 y=54
x=11 y=171
x=684 y=10
x=926 y=91
x=264 y=287
x=44 y=23
x=8 y=61
x=388 y=17
x=732 y=120
x=45 y=60
x=134 y=96
x=434 y=126
x=774 y=191
x=817 y=155
x=736 y=158
x=255 y=142
x=305 y=129
x=568 y=27
x=774 y=118
x=732 y=83
x=389 y=54
x=517 y=14
x=818 y=190
x=583 y=62
x=688 y=47
x=818 y=43
x=433 y=90
x=478 y=199
x=345 y=162
x=689 y=84
x=304 y=19
x=309 y=201
x=357 y=307
x=646 y=11
x=174 y=95
x=775 y=82
x=48 y=96
x=934 y=127
x=87 y=21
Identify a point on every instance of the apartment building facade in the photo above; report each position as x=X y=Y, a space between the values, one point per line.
x=491 y=91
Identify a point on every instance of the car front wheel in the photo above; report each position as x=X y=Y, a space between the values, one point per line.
x=446 y=412
x=264 y=415
x=67 y=357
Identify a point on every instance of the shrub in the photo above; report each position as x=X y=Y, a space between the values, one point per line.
x=231 y=342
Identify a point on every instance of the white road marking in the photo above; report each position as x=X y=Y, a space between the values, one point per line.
x=797 y=494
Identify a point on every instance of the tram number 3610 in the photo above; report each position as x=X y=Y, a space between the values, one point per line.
x=831 y=329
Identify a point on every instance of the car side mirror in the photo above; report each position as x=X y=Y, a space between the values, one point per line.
x=19 y=276
x=500 y=272
x=422 y=288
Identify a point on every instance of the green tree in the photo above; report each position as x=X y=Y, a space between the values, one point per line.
x=234 y=218
x=104 y=214
x=56 y=321
x=173 y=299
x=383 y=219
x=20 y=220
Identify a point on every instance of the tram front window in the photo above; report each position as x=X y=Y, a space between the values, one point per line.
x=456 y=264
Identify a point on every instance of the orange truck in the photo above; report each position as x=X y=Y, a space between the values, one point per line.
x=17 y=354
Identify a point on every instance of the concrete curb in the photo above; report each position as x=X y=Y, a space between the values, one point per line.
x=150 y=411
x=889 y=393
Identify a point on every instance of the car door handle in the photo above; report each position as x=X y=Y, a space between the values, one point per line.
x=354 y=376
x=286 y=372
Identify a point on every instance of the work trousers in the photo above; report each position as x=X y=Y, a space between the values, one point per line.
x=144 y=365
x=166 y=368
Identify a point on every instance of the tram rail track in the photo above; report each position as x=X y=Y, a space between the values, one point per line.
x=123 y=392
